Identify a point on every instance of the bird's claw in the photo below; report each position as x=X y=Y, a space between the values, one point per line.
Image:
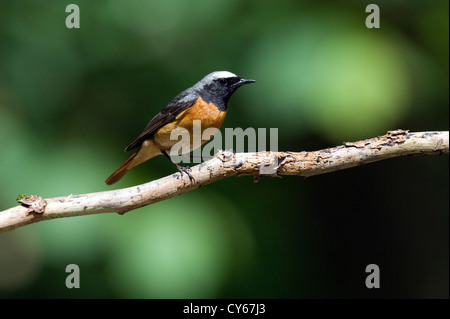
x=186 y=170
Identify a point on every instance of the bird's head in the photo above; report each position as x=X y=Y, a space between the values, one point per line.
x=219 y=86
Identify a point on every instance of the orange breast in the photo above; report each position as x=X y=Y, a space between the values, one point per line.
x=207 y=113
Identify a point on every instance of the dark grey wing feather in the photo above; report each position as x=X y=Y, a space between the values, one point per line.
x=180 y=103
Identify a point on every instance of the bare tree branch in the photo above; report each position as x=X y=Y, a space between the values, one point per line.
x=225 y=164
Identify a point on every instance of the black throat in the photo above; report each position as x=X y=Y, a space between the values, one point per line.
x=219 y=100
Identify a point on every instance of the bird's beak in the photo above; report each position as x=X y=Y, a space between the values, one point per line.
x=242 y=82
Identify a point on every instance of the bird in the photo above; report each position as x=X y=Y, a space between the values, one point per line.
x=207 y=101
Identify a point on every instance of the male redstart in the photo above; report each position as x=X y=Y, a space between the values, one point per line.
x=206 y=101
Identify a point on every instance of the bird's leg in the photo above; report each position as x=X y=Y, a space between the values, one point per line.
x=181 y=169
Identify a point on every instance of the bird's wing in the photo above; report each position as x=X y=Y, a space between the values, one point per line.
x=180 y=103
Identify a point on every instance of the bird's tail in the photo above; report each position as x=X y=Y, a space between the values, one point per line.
x=147 y=151
x=121 y=171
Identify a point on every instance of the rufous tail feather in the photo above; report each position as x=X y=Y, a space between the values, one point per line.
x=121 y=171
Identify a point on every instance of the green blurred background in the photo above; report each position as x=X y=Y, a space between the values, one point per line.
x=72 y=99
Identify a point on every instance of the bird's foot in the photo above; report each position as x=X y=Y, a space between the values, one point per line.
x=186 y=170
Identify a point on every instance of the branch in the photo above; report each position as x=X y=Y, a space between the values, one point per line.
x=225 y=164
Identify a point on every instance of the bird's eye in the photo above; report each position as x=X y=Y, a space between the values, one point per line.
x=222 y=82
